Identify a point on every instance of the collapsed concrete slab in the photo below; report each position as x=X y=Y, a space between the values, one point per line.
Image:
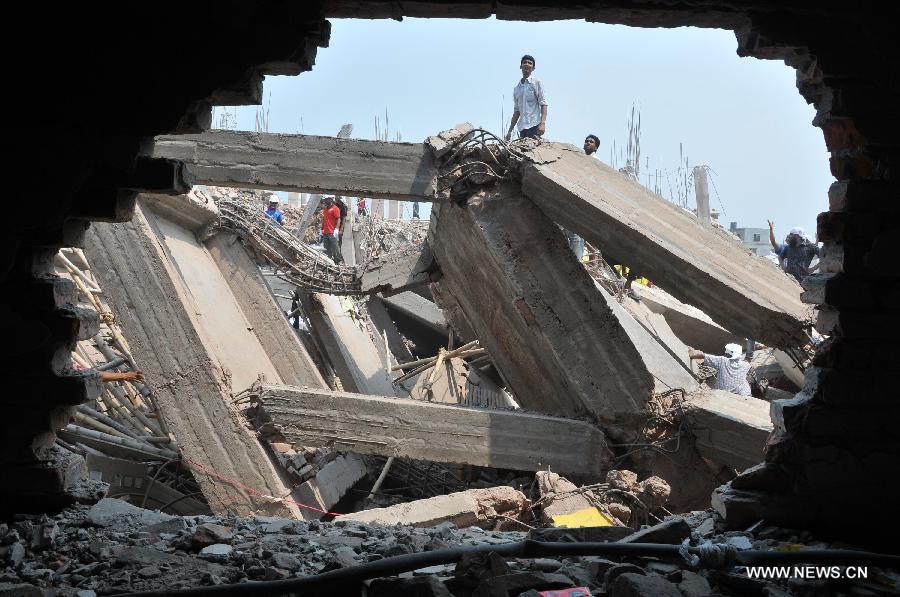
x=330 y=484
x=419 y=309
x=287 y=354
x=699 y=264
x=692 y=326
x=729 y=429
x=352 y=353
x=144 y=287
x=437 y=432
x=563 y=346
x=395 y=272
x=475 y=507
x=384 y=325
x=306 y=163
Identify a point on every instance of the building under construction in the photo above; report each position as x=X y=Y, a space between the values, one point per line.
x=462 y=407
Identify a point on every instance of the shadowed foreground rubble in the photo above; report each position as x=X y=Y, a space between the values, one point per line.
x=114 y=547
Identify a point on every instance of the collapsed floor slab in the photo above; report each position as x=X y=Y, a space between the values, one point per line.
x=729 y=429
x=396 y=272
x=142 y=285
x=419 y=309
x=563 y=346
x=437 y=432
x=691 y=325
x=475 y=507
x=700 y=264
x=351 y=351
x=306 y=163
x=292 y=361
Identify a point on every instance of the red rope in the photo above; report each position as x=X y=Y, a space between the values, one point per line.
x=253 y=491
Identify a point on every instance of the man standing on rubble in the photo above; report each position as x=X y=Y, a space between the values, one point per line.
x=796 y=253
x=331 y=232
x=273 y=211
x=529 y=103
x=731 y=369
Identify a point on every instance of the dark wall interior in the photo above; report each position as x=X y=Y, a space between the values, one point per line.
x=96 y=84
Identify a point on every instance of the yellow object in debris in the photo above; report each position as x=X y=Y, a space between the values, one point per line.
x=589 y=517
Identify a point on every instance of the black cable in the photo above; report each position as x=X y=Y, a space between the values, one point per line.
x=709 y=555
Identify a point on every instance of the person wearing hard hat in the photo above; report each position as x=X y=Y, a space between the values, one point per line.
x=731 y=369
x=795 y=253
x=273 y=211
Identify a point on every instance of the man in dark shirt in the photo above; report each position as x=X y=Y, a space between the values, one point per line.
x=796 y=253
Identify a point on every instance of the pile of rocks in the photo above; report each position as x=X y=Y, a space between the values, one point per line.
x=116 y=547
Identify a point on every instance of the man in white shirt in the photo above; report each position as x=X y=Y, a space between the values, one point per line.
x=731 y=370
x=529 y=103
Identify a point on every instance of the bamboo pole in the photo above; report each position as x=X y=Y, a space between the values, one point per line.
x=106 y=420
x=127 y=443
x=89 y=421
x=76 y=272
x=453 y=353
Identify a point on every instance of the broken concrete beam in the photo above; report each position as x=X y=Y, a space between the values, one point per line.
x=352 y=353
x=214 y=310
x=392 y=273
x=729 y=429
x=427 y=431
x=692 y=326
x=563 y=346
x=139 y=282
x=442 y=143
x=657 y=326
x=562 y=505
x=282 y=345
x=701 y=265
x=420 y=309
x=330 y=484
x=194 y=211
x=310 y=164
x=475 y=507
x=384 y=325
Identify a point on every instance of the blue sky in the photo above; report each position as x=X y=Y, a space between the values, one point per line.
x=740 y=116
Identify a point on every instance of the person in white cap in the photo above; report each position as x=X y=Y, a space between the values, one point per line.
x=795 y=253
x=273 y=211
x=731 y=369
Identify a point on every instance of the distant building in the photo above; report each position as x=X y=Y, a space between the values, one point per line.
x=755 y=238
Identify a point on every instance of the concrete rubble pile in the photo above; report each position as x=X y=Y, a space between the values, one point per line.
x=590 y=353
x=474 y=341
x=113 y=547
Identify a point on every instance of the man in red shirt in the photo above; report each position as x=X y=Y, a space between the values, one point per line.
x=331 y=232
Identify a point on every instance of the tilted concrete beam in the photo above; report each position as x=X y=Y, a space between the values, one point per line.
x=702 y=265
x=143 y=284
x=306 y=163
x=729 y=429
x=392 y=273
x=439 y=432
x=564 y=346
x=420 y=309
